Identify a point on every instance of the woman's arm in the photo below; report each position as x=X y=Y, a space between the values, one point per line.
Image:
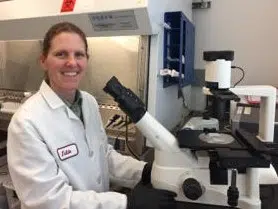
x=124 y=170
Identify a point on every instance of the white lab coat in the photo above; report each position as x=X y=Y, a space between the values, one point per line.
x=55 y=162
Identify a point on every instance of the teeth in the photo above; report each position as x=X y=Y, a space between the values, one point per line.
x=70 y=73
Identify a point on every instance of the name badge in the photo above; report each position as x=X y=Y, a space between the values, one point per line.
x=67 y=152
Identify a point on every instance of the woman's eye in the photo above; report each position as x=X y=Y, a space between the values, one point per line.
x=60 y=54
x=80 y=55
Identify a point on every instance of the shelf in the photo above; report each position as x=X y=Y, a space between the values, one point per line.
x=179 y=47
x=173 y=29
x=173 y=59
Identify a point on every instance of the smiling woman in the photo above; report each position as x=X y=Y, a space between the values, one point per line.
x=64 y=63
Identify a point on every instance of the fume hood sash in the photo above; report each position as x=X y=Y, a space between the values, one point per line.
x=29 y=19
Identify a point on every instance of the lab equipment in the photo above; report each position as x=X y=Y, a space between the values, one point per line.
x=201 y=173
x=96 y=18
x=217 y=90
x=200 y=123
x=247 y=116
x=218 y=69
x=178 y=56
x=218 y=83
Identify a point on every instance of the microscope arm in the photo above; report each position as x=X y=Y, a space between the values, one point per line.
x=267 y=108
x=159 y=136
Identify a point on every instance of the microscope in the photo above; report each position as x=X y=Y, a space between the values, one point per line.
x=218 y=68
x=207 y=170
x=216 y=89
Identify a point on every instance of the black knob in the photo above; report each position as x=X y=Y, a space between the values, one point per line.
x=192 y=189
x=233 y=193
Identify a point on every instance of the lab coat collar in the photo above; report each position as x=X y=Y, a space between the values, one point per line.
x=50 y=96
x=54 y=101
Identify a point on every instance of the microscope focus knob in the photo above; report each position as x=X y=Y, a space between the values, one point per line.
x=192 y=189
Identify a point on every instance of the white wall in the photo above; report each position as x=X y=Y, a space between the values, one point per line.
x=163 y=103
x=250 y=28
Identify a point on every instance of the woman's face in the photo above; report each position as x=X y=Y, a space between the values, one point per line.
x=65 y=62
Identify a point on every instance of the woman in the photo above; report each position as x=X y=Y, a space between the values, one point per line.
x=58 y=154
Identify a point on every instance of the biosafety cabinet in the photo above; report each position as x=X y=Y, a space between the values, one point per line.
x=126 y=39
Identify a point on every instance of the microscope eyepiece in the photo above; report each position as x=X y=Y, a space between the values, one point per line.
x=128 y=101
x=113 y=87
